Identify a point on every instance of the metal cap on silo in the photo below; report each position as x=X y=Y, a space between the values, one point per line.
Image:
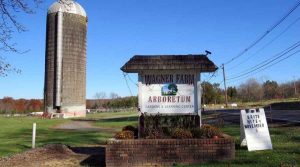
x=67 y=6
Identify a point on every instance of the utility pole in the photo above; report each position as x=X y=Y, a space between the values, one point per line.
x=295 y=86
x=224 y=77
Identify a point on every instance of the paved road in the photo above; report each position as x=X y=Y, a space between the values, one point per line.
x=290 y=116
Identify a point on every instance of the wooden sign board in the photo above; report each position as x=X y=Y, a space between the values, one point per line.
x=254 y=130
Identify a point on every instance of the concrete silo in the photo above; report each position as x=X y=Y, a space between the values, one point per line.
x=65 y=63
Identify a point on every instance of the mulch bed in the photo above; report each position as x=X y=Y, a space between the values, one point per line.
x=54 y=155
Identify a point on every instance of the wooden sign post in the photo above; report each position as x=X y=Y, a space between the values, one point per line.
x=169 y=85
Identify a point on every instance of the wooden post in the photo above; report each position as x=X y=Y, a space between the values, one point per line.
x=271 y=113
x=33 y=134
x=224 y=77
x=141 y=126
x=198 y=121
x=198 y=94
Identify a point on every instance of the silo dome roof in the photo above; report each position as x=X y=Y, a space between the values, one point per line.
x=67 y=6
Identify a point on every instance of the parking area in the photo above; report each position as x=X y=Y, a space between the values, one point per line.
x=273 y=116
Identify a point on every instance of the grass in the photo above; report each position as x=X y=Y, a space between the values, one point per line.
x=114 y=120
x=15 y=132
x=267 y=102
x=15 y=136
x=285 y=153
x=262 y=103
x=111 y=115
x=117 y=123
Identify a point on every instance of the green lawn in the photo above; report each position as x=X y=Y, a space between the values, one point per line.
x=15 y=133
x=117 y=123
x=262 y=103
x=114 y=120
x=285 y=153
x=15 y=136
x=111 y=115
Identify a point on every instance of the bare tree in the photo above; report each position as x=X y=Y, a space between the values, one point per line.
x=114 y=95
x=287 y=90
x=251 y=90
x=9 y=24
x=270 y=89
x=100 y=95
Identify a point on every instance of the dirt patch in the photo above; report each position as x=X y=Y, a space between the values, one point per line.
x=57 y=155
x=81 y=126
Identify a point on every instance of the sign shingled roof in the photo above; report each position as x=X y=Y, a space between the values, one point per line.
x=140 y=63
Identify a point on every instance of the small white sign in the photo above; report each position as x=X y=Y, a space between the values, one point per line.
x=254 y=130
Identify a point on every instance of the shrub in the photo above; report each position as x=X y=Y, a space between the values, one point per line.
x=209 y=131
x=179 y=133
x=167 y=131
x=124 y=135
x=197 y=133
x=132 y=129
x=153 y=133
x=129 y=127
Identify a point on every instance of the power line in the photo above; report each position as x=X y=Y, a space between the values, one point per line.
x=234 y=80
x=255 y=69
x=268 y=61
x=213 y=75
x=132 y=80
x=280 y=60
x=295 y=45
x=264 y=68
x=124 y=75
x=265 y=34
x=267 y=44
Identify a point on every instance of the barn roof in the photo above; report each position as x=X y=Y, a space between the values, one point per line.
x=197 y=62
